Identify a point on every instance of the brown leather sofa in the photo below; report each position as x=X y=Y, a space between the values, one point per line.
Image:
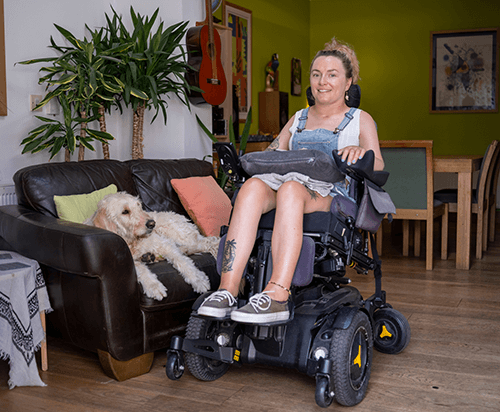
x=98 y=304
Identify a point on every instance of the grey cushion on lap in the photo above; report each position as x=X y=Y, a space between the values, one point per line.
x=313 y=163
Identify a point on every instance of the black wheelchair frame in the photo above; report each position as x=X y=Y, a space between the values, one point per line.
x=331 y=331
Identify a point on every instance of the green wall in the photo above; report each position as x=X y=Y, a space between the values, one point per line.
x=392 y=41
x=279 y=26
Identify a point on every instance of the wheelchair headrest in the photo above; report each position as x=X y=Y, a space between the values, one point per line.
x=362 y=169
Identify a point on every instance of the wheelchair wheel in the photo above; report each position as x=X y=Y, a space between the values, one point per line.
x=203 y=368
x=323 y=395
x=392 y=331
x=174 y=367
x=351 y=352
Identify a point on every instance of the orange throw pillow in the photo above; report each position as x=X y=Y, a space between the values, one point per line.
x=205 y=202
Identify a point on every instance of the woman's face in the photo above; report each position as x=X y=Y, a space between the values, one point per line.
x=328 y=80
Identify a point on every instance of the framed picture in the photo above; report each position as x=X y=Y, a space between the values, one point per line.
x=239 y=20
x=464 y=71
x=296 y=88
x=3 y=76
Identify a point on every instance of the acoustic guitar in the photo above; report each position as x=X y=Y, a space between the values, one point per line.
x=204 y=47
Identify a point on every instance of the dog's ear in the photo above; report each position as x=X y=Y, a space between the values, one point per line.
x=101 y=220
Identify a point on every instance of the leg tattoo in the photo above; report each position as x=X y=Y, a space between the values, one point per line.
x=229 y=254
x=314 y=195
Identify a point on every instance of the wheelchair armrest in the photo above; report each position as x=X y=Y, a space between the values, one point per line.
x=230 y=162
x=362 y=169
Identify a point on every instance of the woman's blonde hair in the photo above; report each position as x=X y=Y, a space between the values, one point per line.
x=345 y=53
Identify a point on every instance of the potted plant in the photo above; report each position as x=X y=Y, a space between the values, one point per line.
x=152 y=69
x=78 y=80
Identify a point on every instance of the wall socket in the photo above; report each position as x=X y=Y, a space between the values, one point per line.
x=34 y=100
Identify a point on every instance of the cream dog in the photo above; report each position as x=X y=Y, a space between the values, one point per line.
x=155 y=236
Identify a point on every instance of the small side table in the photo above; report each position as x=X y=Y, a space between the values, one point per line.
x=23 y=303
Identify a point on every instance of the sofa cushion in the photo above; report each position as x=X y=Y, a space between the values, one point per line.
x=178 y=291
x=37 y=185
x=206 y=203
x=78 y=208
x=152 y=180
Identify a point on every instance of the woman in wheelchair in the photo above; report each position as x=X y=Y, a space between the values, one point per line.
x=330 y=124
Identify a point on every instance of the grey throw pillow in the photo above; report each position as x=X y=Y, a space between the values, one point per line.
x=313 y=163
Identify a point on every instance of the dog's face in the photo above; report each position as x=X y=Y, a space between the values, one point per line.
x=122 y=214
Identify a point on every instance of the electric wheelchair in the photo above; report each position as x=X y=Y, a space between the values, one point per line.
x=332 y=329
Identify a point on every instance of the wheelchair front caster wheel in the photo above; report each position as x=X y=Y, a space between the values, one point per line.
x=203 y=368
x=324 y=396
x=175 y=366
x=391 y=331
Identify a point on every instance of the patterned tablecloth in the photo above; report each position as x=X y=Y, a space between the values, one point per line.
x=22 y=296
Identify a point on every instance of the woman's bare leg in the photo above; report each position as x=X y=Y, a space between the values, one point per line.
x=293 y=201
x=254 y=199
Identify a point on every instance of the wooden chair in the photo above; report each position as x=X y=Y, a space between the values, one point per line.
x=411 y=186
x=481 y=196
x=492 y=199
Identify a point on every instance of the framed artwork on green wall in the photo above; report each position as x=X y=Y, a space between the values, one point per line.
x=464 y=71
x=3 y=76
x=239 y=20
x=296 y=87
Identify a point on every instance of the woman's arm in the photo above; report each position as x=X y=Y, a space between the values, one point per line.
x=368 y=140
x=281 y=141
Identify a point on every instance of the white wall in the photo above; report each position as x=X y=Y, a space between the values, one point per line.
x=28 y=27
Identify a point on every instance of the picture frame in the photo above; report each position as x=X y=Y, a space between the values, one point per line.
x=296 y=76
x=3 y=73
x=464 y=71
x=239 y=20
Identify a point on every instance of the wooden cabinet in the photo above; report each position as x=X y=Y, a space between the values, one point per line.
x=273 y=111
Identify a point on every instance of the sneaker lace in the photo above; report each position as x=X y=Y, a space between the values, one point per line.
x=220 y=295
x=261 y=301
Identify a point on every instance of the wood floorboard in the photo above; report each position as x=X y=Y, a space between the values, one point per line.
x=451 y=364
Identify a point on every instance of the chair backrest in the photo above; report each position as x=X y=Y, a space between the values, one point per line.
x=411 y=180
x=494 y=177
x=486 y=172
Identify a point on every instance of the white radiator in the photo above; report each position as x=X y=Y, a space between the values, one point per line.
x=8 y=195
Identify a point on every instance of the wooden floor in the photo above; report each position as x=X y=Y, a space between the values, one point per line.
x=451 y=364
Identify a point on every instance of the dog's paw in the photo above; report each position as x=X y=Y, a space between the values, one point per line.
x=202 y=285
x=148 y=258
x=156 y=291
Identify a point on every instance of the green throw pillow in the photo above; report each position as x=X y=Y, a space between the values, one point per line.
x=77 y=208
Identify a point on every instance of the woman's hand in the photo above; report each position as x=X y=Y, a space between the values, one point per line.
x=351 y=154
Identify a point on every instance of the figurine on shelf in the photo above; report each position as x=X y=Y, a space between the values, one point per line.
x=272 y=73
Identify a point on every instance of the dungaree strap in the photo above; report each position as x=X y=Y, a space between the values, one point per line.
x=345 y=121
x=343 y=124
x=302 y=120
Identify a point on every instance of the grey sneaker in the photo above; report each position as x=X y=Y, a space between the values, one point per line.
x=218 y=305
x=261 y=309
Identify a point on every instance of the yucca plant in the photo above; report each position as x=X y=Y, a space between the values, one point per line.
x=77 y=80
x=154 y=68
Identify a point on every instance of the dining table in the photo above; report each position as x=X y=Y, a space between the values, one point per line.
x=464 y=166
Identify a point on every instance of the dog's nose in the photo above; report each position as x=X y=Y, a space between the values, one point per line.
x=150 y=224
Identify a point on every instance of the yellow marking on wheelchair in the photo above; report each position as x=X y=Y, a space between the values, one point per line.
x=385 y=333
x=357 y=360
x=236 y=356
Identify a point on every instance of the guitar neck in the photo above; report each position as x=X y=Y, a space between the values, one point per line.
x=211 y=44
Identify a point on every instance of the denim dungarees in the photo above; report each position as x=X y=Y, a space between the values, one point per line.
x=323 y=140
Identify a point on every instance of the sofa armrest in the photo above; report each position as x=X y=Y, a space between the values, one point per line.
x=66 y=246
x=93 y=277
